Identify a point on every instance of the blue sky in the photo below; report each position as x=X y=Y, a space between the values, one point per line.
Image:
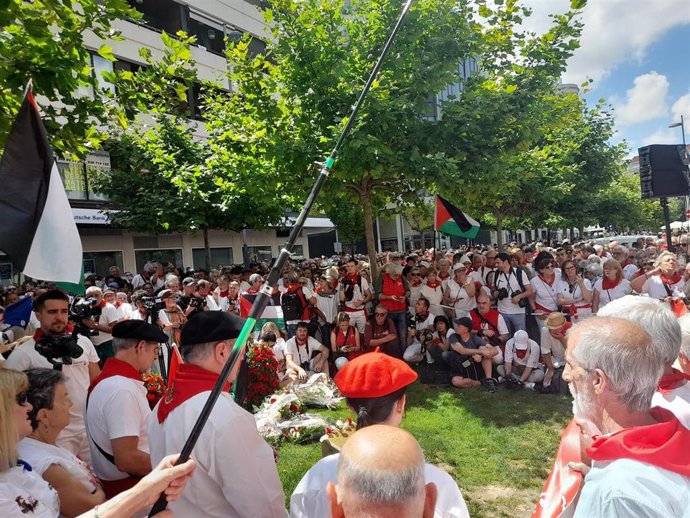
x=638 y=54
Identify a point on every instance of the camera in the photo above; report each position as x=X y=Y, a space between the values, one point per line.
x=82 y=308
x=152 y=304
x=411 y=322
x=59 y=350
x=198 y=302
x=502 y=293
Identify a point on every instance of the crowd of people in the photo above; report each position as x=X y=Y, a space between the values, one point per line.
x=600 y=323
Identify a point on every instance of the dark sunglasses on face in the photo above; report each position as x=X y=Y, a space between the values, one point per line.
x=379 y=314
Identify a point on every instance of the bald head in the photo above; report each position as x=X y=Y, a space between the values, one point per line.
x=624 y=353
x=381 y=473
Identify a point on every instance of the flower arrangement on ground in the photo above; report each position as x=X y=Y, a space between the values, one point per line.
x=263 y=374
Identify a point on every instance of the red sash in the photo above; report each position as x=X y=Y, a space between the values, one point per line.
x=189 y=381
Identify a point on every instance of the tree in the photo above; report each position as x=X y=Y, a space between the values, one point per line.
x=348 y=218
x=168 y=179
x=420 y=217
x=503 y=132
x=320 y=55
x=43 y=41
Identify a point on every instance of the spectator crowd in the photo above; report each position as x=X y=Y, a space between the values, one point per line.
x=605 y=324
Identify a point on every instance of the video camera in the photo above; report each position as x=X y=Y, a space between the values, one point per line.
x=199 y=303
x=59 y=350
x=152 y=304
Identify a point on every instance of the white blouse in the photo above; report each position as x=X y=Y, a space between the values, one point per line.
x=23 y=493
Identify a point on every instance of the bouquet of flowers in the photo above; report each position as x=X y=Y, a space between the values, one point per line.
x=154 y=387
x=263 y=374
x=318 y=391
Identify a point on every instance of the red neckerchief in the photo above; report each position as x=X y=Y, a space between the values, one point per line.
x=433 y=285
x=189 y=381
x=549 y=284
x=224 y=294
x=101 y=304
x=671 y=281
x=626 y=263
x=606 y=284
x=115 y=367
x=354 y=278
x=443 y=276
x=672 y=381
x=663 y=444
x=521 y=353
x=39 y=334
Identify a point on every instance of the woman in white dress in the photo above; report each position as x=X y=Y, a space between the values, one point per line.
x=613 y=285
x=75 y=483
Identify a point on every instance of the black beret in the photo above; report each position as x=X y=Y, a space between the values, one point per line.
x=210 y=326
x=139 y=330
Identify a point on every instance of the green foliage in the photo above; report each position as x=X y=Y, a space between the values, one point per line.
x=348 y=218
x=43 y=41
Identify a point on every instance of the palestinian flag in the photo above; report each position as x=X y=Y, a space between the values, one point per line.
x=38 y=231
x=448 y=219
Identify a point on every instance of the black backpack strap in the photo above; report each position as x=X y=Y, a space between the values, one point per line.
x=484 y=320
x=518 y=276
x=105 y=454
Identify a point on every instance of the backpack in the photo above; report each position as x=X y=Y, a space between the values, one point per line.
x=293 y=304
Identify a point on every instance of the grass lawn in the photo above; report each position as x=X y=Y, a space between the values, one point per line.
x=498 y=447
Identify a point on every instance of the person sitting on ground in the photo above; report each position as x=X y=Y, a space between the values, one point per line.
x=24 y=493
x=305 y=355
x=374 y=386
x=72 y=478
x=470 y=357
x=440 y=341
x=117 y=407
x=381 y=475
x=380 y=333
x=553 y=342
x=639 y=456
x=345 y=344
x=662 y=325
x=521 y=364
x=489 y=324
x=419 y=335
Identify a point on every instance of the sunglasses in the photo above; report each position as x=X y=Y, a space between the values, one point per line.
x=22 y=398
x=416 y=274
x=378 y=314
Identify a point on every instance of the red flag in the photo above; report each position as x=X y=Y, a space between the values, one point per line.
x=175 y=362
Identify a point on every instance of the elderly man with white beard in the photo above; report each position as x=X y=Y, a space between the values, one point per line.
x=640 y=459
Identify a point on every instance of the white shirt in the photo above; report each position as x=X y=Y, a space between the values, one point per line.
x=235 y=476
x=502 y=327
x=459 y=298
x=626 y=488
x=629 y=271
x=109 y=315
x=328 y=305
x=654 y=287
x=677 y=401
x=138 y=281
x=510 y=282
x=552 y=346
x=302 y=354
x=357 y=294
x=435 y=297
x=117 y=408
x=605 y=296
x=309 y=499
x=547 y=296
x=531 y=359
x=78 y=380
x=41 y=456
x=19 y=486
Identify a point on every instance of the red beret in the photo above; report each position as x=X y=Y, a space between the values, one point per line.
x=373 y=375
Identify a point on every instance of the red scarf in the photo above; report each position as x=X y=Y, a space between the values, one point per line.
x=606 y=284
x=224 y=294
x=433 y=285
x=190 y=380
x=663 y=444
x=443 y=276
x=39 y=334
x=671 y=281
x=626 y=263
x=550 y=284
x=354 y=278
x=115 y=367
x=669 y=382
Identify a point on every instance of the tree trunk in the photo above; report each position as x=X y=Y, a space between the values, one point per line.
x=207 y=249
x=369 y=233
x=423 y=241
x=499 y=230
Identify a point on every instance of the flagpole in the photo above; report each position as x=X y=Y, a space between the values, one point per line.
x=265 y=293
x=28 y=87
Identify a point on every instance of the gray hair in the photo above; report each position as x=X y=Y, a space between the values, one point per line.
x=394 y=268
x=654 y=317
x=254 y=277
x=633 y=372
x=381 y=486
x=41 y=393
x=196 y=352
x=173 y=279
x=684 y=323
x=122 y=344
x=94 y=291
x=150 y=267
x=660 y=257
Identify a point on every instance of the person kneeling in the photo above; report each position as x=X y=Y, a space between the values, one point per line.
x=470 y=358
x=305 y=355
x=522 y=361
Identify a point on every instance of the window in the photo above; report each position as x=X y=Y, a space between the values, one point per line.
x=162 y=256
x=219 y=257
x=258 y=254
x=160 y=15
x=100 y=262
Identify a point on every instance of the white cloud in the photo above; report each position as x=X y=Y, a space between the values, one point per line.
x=663 y=136
x=682 y=107
x=615 y=31
x=645 y=101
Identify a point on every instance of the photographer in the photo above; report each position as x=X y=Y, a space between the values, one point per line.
x=104 y=318
x=419 y=332
x=51 y=309
x=305 y=355
x=512 y=289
